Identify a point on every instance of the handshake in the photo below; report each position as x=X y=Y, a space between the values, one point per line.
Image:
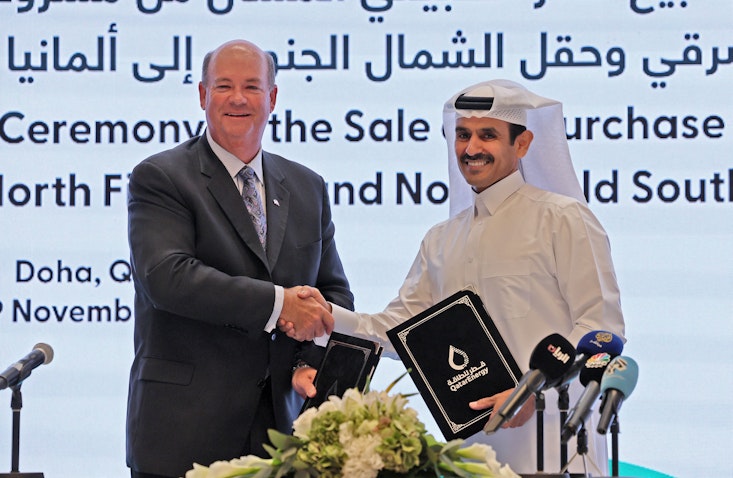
x=306 y=314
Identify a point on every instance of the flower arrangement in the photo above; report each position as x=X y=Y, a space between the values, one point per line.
x=360 y=435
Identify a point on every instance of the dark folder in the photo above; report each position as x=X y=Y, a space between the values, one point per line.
x=455 y=355
x=349 y=362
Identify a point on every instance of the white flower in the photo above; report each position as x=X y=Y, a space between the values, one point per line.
x=198 y=471
x=357 y=436
x=226 y=469
x=302 y=425
x=363 y=460
x=506 y=472
x=481 y=452
x=485 y=454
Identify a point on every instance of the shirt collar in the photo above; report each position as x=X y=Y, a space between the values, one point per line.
x=234 y=164
x=489 y=200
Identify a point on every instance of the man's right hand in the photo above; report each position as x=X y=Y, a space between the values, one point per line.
x=496 y=401
x=304 y=315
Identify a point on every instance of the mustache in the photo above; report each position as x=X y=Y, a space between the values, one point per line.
x=477 y=157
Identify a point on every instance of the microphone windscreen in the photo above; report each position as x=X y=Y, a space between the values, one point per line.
x=47 y=351
x=554 y=356
x=594 y=368
x=600 y=341
x=621 y=374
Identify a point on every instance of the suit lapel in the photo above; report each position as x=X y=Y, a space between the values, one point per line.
x=222 y=189
x=278 y=205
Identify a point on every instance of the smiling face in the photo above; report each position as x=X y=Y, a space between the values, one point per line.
x=238 y=97
x=485 y=152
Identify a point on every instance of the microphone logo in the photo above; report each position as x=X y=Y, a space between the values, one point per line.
x=618 y=365
x=602 y=338
x=599 y=360
x=558 y=353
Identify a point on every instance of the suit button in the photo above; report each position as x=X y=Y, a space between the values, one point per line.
x=273 y=336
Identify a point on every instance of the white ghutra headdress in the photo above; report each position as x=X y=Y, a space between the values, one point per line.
x=546 y=165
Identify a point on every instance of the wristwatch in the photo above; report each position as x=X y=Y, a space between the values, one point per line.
x=300 y=364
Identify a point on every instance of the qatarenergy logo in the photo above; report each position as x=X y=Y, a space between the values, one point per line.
x=467 y=374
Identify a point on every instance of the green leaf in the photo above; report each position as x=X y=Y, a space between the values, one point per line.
x=394 y=382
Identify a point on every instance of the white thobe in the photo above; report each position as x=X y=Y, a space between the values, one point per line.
x=541 y=263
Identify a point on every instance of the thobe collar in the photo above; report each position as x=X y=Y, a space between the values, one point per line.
x=489 y=200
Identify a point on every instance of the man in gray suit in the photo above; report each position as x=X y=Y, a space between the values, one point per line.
x=211 y=371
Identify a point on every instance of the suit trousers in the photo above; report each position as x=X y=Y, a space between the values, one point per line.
x=264 y=420
x=135 y=474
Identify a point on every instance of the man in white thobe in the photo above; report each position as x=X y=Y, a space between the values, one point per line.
x=522 y=236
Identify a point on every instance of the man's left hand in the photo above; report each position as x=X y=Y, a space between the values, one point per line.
x=302 y=381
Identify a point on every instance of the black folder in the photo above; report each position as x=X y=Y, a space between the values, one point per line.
x=455 y=355
x=349 y=362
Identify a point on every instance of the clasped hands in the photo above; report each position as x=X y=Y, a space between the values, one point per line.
x=306 y=314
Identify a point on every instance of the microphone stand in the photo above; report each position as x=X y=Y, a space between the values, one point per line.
x=540 y=407
x=582 y=451
x=563 y=404
x=614 y=446
x=16 y=403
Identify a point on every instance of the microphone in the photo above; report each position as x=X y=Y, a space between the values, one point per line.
x=617 y=383
x=592 y=343
x=550 y=359
x=20 y=370
x=590 y=376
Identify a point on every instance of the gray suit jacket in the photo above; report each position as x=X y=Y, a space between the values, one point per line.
x=203 y=293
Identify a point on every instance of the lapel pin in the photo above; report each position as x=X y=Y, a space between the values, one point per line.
x=276 y=202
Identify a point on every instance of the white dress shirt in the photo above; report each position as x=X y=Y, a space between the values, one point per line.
x=233 y=166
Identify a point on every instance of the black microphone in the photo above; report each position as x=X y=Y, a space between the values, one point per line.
x=20 y=370
x=550 y=359
x=592 y=343
x=617 y=383
x=590 y=376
